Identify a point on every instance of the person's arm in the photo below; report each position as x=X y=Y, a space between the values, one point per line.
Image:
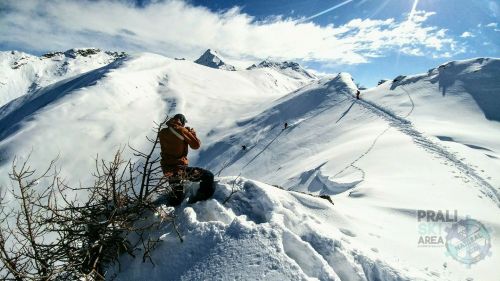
x=191 y=138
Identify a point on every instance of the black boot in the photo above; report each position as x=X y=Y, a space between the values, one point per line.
x=206 y=189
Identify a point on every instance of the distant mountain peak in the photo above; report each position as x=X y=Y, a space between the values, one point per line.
x=83 y=52
x=283 y=65
x=213 y=59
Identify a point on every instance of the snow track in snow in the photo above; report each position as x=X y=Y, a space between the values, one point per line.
x=363 y=155
x=406 y=127
x=411 y=100
x=374 y=141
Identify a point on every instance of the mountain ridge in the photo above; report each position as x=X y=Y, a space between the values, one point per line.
x=284 y=65
x=22 y=73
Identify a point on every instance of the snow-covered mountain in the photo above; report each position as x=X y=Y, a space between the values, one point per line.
x=21 y=73
x=423 y=142
x=288 y=67
x=98 y=111
x=213 y=59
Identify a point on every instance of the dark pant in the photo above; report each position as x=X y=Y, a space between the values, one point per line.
x=180 y=173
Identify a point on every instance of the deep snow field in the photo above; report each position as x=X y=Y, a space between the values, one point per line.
x=424 y=142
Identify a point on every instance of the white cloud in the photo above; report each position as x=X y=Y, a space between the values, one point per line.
x=467 y=34
x=492 y=25
x=176 y=28
x=319 y=73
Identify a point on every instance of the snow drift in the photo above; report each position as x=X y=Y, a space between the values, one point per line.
x=261 y=233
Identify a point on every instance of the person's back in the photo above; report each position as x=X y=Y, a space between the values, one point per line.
x=175 y=141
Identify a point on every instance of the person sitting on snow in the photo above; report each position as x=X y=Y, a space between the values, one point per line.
x=174 y=142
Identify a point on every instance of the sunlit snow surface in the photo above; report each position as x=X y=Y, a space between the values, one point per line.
x=426 y=142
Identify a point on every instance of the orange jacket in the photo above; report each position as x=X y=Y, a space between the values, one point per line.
x=174 y=141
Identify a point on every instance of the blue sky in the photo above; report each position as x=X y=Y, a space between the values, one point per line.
x=371 y=39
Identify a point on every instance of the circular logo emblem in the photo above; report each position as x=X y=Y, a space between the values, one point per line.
x=468 y=241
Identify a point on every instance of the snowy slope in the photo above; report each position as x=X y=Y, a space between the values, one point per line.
x=262 y=233
x=380 y=168
x=214 y=60
x=379 y=159
x=98 y=112
x=457 y=105
x=21 y=73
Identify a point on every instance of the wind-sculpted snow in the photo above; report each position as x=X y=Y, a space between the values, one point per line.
x=261 y=233
x=316 y=182
x=479 y=78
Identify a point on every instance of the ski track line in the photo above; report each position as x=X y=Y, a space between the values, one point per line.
x=374 y=142
x=363 y=173
x=264 y=149
x=363 y=155
x=227 y=162
x=411 y=100
x=407 y=128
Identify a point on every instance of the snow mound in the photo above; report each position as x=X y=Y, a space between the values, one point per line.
x=261 y=233
x=214 y=60
x=289 y=67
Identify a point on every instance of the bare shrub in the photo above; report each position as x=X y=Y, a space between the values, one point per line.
x=47 y=233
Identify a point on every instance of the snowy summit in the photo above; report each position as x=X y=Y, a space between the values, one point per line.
x=213 y=59
x=285 y=66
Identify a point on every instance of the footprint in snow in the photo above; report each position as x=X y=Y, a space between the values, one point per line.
x=347 y=232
